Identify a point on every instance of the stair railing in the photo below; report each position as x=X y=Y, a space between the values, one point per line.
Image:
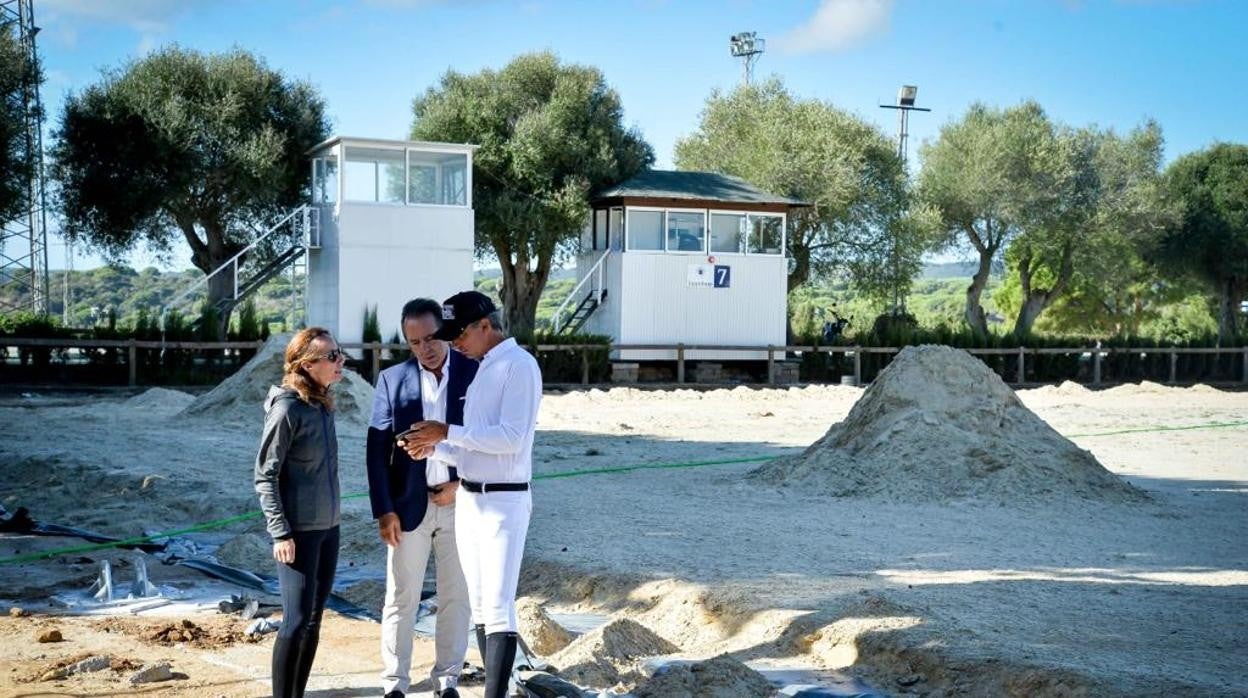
x=309 y=219
x=596 y=273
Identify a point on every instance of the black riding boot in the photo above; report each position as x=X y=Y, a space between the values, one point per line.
x=500 y=656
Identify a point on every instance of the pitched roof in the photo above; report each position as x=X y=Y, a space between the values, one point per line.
x=693 y=186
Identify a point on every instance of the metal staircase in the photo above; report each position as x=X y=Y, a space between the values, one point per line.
x=588 y=303
x=293 y=236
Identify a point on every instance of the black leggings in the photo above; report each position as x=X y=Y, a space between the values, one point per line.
x=305 y=586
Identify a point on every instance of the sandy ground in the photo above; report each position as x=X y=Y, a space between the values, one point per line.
x=960 y=598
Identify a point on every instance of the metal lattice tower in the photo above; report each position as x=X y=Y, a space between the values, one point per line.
x=24 y=240
x=749 y=47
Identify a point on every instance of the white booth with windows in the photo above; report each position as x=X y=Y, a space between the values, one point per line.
x=673 y=257
x=396 y=223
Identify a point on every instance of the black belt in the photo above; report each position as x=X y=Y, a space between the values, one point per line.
x=481 y=487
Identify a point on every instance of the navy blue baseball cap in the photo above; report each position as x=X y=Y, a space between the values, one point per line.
x=460 y=311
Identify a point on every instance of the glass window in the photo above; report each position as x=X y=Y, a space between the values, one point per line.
x=645 y=230
x=374 y=174
x=437 y=178
x=686 y=232
x=728 y=232
x=615 y=229
x=422 y=183
x=600 y=230
x=455 y=181
x=765 y=235
x=361 y=180
x=325 y=180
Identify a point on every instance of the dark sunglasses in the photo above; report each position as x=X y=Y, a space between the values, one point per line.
x=332 y=355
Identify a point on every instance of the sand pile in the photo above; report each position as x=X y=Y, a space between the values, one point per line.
x=240 y=398
x=719 y=677
x=160 y=400
x=543 y=634
x=938 y=424
x=609 y=654
x=248 y=551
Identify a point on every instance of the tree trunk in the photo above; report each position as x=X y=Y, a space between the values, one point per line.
x=1230 y=294
x=207 y=256
x=974 y=311
x=520 y=291
x=1036 y=300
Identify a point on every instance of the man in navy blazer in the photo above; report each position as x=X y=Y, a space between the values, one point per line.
x=414 y=501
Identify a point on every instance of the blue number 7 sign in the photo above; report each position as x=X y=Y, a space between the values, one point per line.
x=723 y=276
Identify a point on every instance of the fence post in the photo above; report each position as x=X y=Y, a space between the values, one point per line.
x=132 y=361
x=1096 y=366
x=680 y=362
x=376 y=360
x=1174 y=366
x=1022 y=365
x=584 y=366
x=857 y=366
x=771 y=365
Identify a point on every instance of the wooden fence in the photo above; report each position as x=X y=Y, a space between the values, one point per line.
x=855 y=354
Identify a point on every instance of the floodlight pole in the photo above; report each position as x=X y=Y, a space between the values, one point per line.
x=747 y=46
x=905 y=104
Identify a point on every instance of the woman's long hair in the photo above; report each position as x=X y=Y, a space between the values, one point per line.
x=300 y=353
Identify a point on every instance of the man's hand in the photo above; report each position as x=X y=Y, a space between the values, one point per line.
x=388 y=526
x=284 y=551
x=445 y=494
x=423 y=434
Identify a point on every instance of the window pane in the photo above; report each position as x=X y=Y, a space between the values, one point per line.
x=645 y=230
x=616 y=229
x=765 y=235
x=600 y=231
x=455 y=180
x=422 y=184
x=325 y=180
x=361 y=183
x=390 y=168
x=374 y=174
x=727 y=232
x=686 y=232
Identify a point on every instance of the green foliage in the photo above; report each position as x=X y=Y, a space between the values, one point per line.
x=372 y=325
x=16 y=74
x=549 y=134
x=209 y=327
x=841 y=164
x=248 y=322
x=1209 y=242
x=212 y=147
x=569 y=365
x=990 y=176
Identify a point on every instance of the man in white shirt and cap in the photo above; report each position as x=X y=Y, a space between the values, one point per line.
x=493 y=452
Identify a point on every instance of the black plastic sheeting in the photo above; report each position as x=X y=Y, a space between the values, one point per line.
x=22 y=522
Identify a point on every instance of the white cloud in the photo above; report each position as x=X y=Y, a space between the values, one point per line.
x=837 y=24
x=147 y=16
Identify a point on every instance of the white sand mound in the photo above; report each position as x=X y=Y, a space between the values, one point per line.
x=543 y=634
x=938 y=424
x=719 y=677
x=160 y=400
x=609 y=654
x=240 y=398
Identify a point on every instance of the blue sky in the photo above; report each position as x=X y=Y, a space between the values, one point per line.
x=1106 y=62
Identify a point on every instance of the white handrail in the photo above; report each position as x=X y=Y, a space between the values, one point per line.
x=594 y=271
x=231 y=262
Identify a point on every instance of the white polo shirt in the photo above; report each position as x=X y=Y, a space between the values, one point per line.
x=495 y=443
x=433 y=394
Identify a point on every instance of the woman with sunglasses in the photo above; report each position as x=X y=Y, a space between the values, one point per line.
x=297 y=479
